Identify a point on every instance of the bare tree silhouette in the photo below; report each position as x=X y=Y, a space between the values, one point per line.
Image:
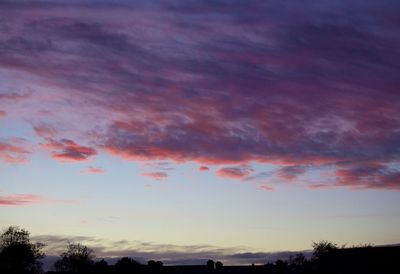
x=77 y=259
x=18 y=254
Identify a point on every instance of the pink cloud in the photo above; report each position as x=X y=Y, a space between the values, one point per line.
x=14 y=150
x=370 y=175
x=2 y=113
x=92 y=169
x=239 y=172
x=26 y=199
x=319 y=186
x=31 y=199
x=159 y=175
x=265 y=187
x=67 y=150
x=204 y=168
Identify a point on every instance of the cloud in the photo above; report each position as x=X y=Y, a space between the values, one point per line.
x=158 y=175
x=204 y=168
x=169 y=254
x=21 y=200
x=45 y=131
x=239 y=172
x=162 y=166
x=369 y=176
x=67 y=150
x=13 y=150
x=290 y=173
x=92 y=169
x=212 y=83
x=3 y=113
x=266 y=187
x=28 y=199
x=13 y=96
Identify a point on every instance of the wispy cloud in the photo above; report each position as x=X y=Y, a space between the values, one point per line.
x=28 y=199
x=157 y=175
x=92 y=169
x=14 y=150
x=265 y=187
x=21 y=199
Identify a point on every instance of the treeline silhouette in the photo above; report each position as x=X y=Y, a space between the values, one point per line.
x=19 y=256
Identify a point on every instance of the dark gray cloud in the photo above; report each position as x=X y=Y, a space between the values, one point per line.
x=169 y=254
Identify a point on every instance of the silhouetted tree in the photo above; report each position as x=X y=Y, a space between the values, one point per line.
x=127 y=265
x=154 y=266
x=77 y=259
x=322 y=248
x=218 y=265
x=323 y=256
x=17 y=254
x=210 y=265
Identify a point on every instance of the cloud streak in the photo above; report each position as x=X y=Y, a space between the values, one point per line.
x=28 y=199
x=157 y=175
x=14 y=150
x=95 y=170
x=21 y=200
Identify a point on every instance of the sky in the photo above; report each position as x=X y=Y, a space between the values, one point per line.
x=185 y=130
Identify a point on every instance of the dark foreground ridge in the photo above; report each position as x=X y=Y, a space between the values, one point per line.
x=19 y=256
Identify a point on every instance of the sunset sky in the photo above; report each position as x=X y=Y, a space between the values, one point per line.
x=185 y=130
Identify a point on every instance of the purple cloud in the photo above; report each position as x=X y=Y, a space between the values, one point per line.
x=289 y=173
x=371 y=175
x=68 y=150
x=249 y=81
x=237 y=172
